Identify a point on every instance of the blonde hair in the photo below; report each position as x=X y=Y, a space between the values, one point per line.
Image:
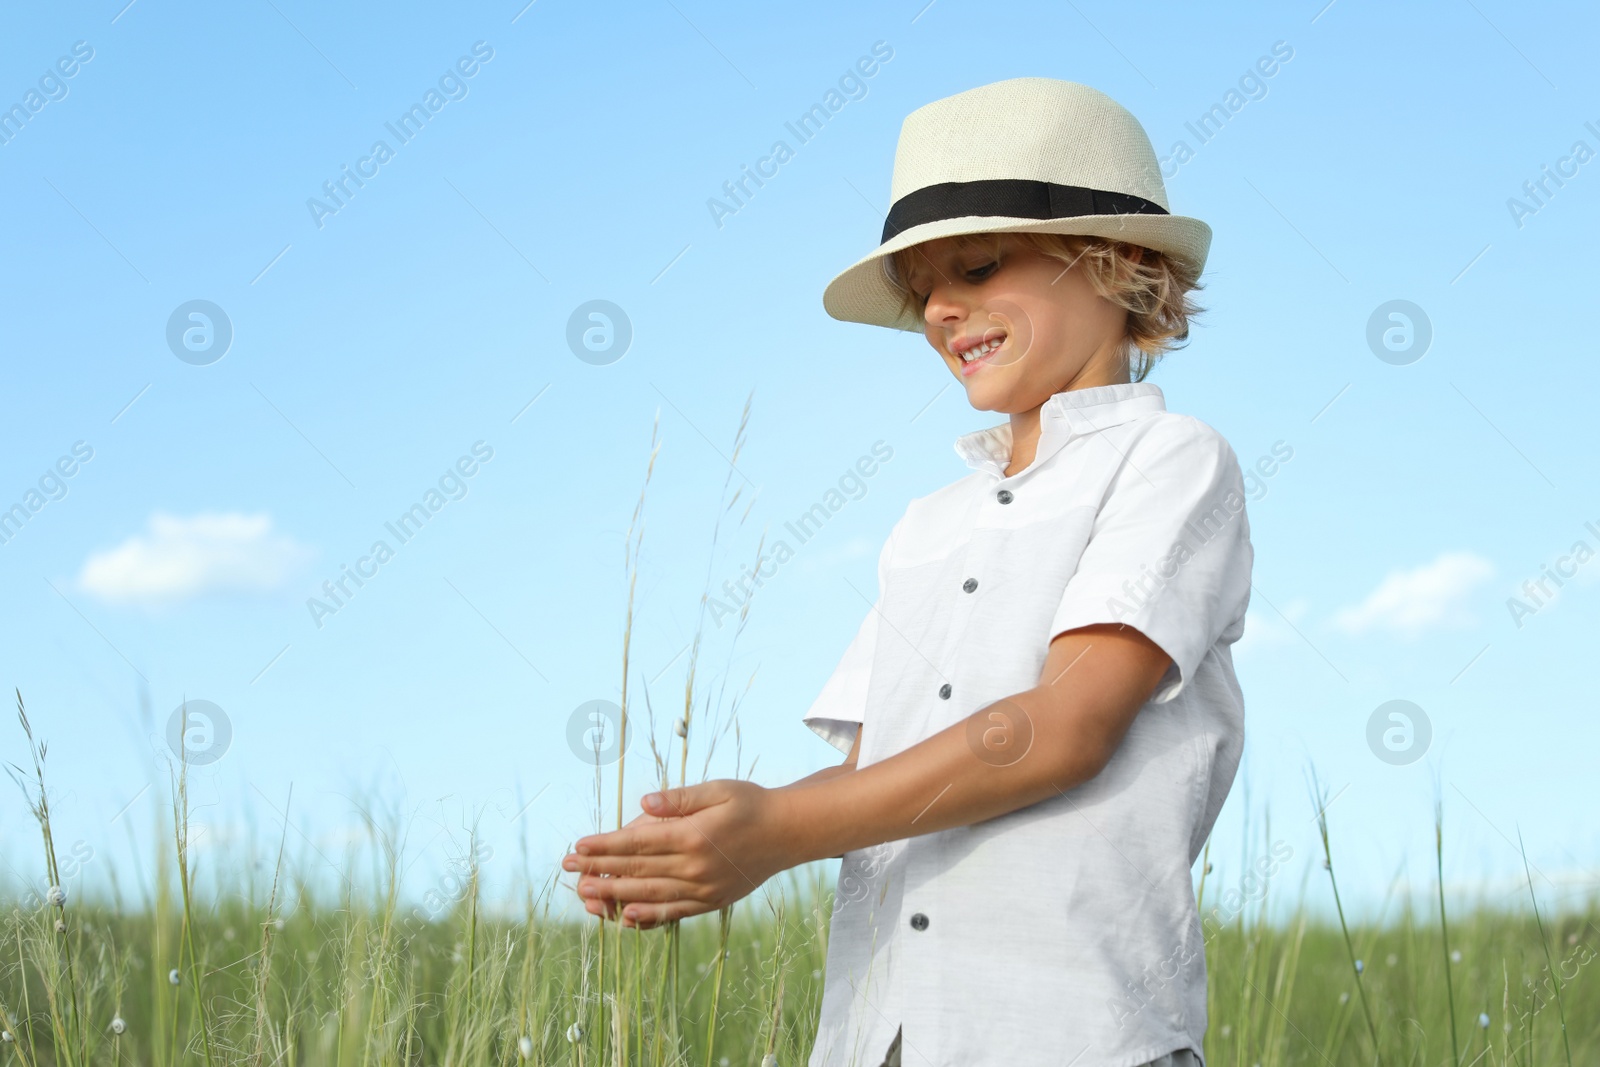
x=1153 y=288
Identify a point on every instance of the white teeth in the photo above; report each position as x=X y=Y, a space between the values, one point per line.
x=981 y=350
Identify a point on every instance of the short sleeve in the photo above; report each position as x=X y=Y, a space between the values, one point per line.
x=840 y=709
x=1170 y=551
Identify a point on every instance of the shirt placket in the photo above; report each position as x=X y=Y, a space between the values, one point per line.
x=928 y=933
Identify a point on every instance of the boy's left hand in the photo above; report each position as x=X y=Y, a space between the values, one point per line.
x=715 y=843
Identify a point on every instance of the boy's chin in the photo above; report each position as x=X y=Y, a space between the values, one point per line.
x=989 y=396
x=1005 y=397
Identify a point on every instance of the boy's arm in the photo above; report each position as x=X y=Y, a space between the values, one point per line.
x=1015 y=752
x=827 y=773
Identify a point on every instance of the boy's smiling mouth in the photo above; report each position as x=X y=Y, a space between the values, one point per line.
x=975 y=352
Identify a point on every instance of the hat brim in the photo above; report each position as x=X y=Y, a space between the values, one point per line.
x=861 y=292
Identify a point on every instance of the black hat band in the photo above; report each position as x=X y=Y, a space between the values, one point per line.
x=1020 y=198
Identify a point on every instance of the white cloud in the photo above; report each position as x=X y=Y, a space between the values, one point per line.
x=1410 y=601
x=179 y=559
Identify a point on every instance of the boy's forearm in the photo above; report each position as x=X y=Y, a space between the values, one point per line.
x=824 y=775
x=1051 y=738
x=818 y=777
x=935 y=784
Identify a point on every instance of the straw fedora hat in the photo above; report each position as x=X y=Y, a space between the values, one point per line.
x=1027 y=154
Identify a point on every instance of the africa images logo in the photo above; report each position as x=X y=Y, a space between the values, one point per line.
x=199 y=332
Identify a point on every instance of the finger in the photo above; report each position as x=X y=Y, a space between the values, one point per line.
x=603 y=909
x=648 y=838
x=650 y=916
x=596 y=905
x=596 y=887
x=623 y=866
x=631 y=889
x=684 y=800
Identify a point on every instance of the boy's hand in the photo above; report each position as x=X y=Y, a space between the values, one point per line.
x=713 y=844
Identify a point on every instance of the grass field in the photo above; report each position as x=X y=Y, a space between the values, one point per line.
x=276 y=971
x=281 y=976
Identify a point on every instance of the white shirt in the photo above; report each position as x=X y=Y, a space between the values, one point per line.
x=1128 y=513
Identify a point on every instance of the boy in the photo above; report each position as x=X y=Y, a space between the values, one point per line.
x=1040 y=711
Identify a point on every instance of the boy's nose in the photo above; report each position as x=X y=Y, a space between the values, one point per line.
x=944 y=308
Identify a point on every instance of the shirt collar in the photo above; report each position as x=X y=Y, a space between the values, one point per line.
x=1068 y=414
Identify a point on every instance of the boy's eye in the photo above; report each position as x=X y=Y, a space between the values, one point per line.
x=978 y=273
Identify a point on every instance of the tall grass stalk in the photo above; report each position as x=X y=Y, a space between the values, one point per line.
x=630 y=559
x=180 y=826
x=1506 y=1055
x=1319 y=801
x=60 y=933
x=1544 y=943
x=268 y=928
x=1444 y=922
x=683 y=728
x=378 y=1001
x=725 y=922
x=775 y=1013
x=9 y=1024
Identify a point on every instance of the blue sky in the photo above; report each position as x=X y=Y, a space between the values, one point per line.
x=386 y=343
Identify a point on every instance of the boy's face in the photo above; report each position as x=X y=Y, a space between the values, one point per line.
x=1038 y=325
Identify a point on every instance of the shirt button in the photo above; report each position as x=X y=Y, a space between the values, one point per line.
x=944 y=691
x=919 y=921
x=970 y=584
x=1004 y=496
